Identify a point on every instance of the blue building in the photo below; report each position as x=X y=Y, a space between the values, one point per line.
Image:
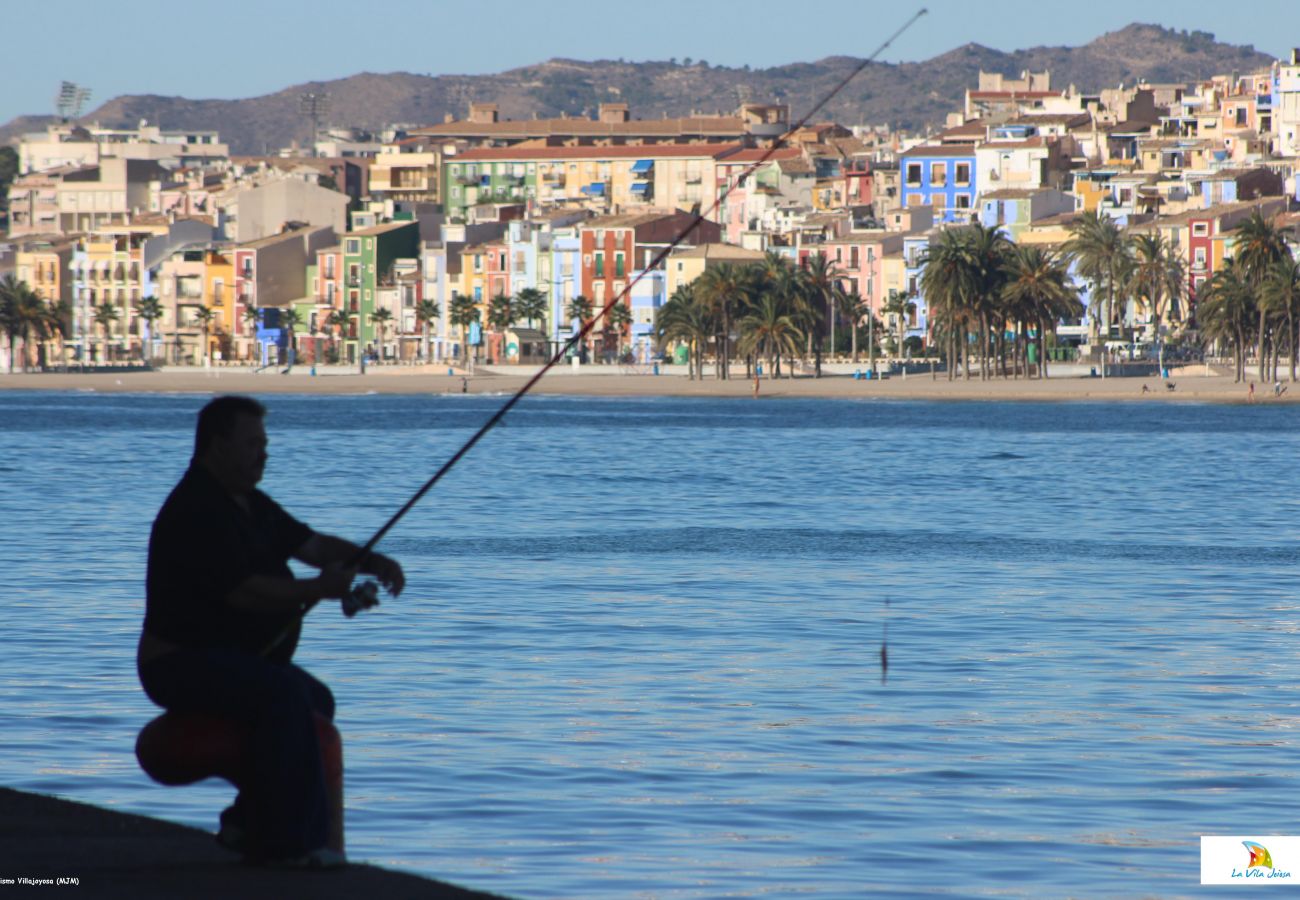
x=943 y=177
x=648 y=293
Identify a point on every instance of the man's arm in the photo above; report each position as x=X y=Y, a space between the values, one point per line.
x=323 y=550
x=272 y=594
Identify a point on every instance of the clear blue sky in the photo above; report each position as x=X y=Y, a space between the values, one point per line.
x=242 y=48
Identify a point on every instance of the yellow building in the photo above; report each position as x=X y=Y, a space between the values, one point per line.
x=219 y=294
x=407 y=171
x=605 y=179
x=684 y=266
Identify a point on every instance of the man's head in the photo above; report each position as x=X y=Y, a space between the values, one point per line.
x=230 y=442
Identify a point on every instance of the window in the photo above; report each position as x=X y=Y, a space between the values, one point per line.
x=618 y=265
x=961 y=173
x=914 y=173
x=1200 y=229
x=352 y=245
x=914 y=200
x=938 y=174
x=963 y=201
x=600 y=265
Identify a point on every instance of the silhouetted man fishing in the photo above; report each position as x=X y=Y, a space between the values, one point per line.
x=222 y=621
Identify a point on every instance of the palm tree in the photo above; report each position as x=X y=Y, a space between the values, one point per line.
x=59 y=322
x=683 y=318
x=726 y=289
x=106 y=314
x=1039 y=290
x=1098 y=247
x=501 y=316
x=1260 y=244
x=462 y=312
x=426 y=311
x=23 y=314
x=1225 y=309
x=290 y=319
x=340 y=320
x=769 y=331
x=987 y=250
x=821 y=289
x=205 y=315
x=855 y=309
x=1158 y=277
x=617 y=321
x=580 y=310
x=380 y=319
x=530 y=303
x=1281 y=291
x=901 y=306
x=252 y=318
x=150 y=310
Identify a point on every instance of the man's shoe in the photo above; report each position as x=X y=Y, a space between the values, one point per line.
x=232 y=834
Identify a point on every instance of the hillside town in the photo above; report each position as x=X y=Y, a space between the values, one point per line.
x=484 y=240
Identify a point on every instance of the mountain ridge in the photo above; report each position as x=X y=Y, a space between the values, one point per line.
x=912 y=95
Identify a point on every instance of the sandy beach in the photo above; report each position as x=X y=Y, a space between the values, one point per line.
x=1190 y=385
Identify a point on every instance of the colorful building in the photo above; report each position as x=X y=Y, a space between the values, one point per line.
x=941 y=176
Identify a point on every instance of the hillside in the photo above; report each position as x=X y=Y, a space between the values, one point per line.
x=909 y=95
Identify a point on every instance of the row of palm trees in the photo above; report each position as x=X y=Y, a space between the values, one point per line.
x=1252 y=304
x=26 y=318
x=991 y=299
x=766 y=311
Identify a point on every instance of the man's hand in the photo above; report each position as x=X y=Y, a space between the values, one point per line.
x=335 y=580
x=387 y=570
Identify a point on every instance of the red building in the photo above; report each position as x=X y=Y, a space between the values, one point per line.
x=615 y=248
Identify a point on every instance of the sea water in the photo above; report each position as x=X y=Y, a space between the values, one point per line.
x=639 y=654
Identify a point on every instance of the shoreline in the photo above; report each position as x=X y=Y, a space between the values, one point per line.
x=1191 y=385
x=116 y=854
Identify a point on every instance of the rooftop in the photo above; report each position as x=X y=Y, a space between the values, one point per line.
x=644 y=151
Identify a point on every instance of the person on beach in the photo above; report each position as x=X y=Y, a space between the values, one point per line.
x=1250 y=393
x=222 y=619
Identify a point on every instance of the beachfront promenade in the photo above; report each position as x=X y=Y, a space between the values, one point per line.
x=1065 y=383
x=112 y=854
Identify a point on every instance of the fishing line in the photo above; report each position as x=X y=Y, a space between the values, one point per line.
x=586 y=329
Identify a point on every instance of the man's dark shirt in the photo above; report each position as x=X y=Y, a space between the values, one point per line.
x=203 y=546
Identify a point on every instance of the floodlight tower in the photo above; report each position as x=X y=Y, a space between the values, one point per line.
x=315 y=106
x=70 y=100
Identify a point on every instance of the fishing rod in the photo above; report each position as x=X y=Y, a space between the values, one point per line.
x=366 y=594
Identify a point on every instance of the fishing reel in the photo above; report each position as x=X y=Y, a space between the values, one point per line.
x=363 y=595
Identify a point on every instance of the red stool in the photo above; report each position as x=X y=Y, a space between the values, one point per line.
x=182 y=748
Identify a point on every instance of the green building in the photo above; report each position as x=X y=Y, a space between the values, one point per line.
x=476 y=177
x=368 y=257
